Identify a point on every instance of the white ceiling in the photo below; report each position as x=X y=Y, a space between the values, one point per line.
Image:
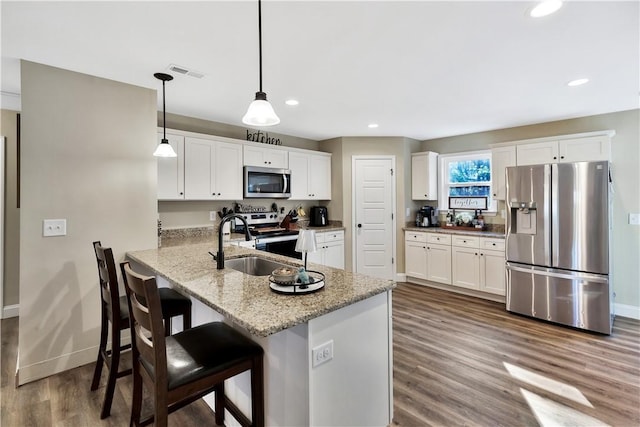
x=418 y=69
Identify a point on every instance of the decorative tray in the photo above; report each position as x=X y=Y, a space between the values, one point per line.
x=316 y=283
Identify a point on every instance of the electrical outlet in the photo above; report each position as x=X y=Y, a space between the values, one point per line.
x=212 y=215
x=322 y=353
x=54 y=227
x=634 y=218
x=408 y=212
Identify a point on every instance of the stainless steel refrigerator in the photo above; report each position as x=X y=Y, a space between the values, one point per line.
x=557 y=244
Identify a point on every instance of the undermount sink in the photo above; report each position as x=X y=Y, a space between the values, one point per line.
x=253 y=265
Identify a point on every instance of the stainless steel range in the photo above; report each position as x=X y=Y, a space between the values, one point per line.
x=269 y=236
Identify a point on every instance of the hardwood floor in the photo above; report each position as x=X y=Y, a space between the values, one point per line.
x=457 y=361
x=65 y=399
x=460 y=360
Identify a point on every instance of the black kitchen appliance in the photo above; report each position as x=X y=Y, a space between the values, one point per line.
x=427 y=217
x=319 y=216
x=268 y=234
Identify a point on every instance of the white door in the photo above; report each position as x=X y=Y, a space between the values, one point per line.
x=373 y=215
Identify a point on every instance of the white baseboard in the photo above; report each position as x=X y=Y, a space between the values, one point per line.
x=401 y=277
x=624 y=310
x=10 y=311
x=26 y=374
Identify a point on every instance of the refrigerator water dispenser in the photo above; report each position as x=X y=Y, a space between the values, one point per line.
x=523 y=218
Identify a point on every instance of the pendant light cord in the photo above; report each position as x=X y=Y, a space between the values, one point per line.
x=164 y=117
x=260 y=39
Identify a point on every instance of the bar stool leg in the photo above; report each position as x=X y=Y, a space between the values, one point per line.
x=186 y=320
x=219 y=403
x=113 y=375
x=102 y=348
x=257 y=392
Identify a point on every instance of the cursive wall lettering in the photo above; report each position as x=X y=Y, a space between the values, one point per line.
x=262 y=137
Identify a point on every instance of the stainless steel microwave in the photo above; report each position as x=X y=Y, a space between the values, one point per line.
x=266 y=183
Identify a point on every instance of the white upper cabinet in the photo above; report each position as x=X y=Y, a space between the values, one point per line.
x=586 y=149
x=310 y=176
x=266 y=157
x=501 y=158
x=424 y=176
x=213 y=170
x=171 y=170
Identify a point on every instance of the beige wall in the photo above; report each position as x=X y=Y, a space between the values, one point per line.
x=343 y=149
x=184 y=214
x=8 y=128
x=86 y=155
x=625 y=159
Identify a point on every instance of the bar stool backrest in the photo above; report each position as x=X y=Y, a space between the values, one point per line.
x=148 y=343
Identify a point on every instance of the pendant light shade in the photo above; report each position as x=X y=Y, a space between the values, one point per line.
x=164 y=148
x=260 y=111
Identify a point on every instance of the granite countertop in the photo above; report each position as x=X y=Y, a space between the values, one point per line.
x=494 y=234
x=247 y=300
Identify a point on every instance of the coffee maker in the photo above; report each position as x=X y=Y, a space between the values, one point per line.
x=427 y=216
x=319 y=216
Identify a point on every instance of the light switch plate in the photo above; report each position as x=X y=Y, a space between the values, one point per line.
x=54 y=227
x=212 y=215
x=634 y=218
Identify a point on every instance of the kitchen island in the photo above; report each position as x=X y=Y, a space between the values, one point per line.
x=350 y=317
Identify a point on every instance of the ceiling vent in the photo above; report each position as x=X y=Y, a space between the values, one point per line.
x=185 y=71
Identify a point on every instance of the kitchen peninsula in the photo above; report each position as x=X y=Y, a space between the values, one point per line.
x=351 y=317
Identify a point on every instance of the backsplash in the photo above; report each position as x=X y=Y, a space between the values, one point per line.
x=195 y=214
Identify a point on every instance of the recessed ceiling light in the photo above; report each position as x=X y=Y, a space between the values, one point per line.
x=545 y=8
x=373 y=125
x=291 y=102
x=577 y=82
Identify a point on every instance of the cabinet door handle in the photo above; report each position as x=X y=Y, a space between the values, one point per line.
x=359 y=225
x=554 y=157
x=181 y=193
x=476 y=253
x=562 y=157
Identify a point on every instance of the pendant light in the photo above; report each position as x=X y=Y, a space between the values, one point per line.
x=260 y=112
x=164 y=148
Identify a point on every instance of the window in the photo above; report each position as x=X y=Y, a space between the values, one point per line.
x=465 y=174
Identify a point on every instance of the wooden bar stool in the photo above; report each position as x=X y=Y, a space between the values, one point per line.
x=115 y=311
x=182 y=368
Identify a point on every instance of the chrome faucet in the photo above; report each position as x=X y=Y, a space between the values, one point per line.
x=247 y=235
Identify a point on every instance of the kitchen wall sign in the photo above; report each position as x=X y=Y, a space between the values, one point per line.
x=262 y=137
x=468 y=203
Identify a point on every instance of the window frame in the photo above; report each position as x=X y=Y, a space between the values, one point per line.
x=443 y=177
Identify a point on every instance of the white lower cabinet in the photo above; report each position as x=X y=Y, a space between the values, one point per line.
x=428 y=256
x=478 y=263
x=470 y=262
x=330 y=249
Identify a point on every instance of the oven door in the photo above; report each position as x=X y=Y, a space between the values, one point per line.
x=267 y=183
x=281 y=245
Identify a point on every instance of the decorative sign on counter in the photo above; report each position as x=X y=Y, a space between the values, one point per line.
x=468 y=203
x=262 y=137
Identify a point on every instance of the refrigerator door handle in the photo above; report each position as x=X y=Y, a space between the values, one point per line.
x=545 y=272
x=555 y=217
